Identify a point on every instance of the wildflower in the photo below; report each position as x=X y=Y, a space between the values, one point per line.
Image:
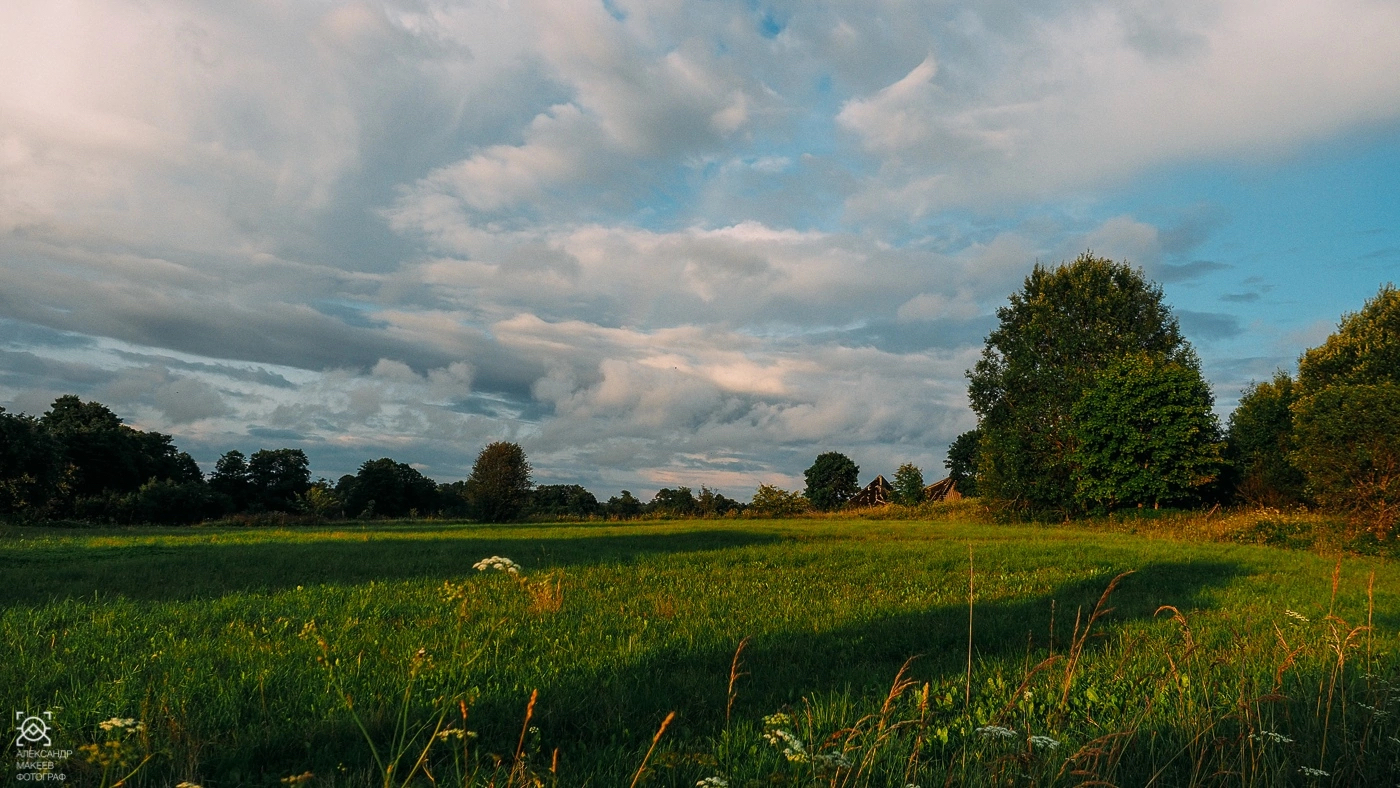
x=1293 y=614
x=498 y=563
x=121 y=724
x=996 y=732
x=188 y=784
x=835 y=759
x=1043 y=742
x=298 y=779
x=1270 y=736
x=1310 y=772
x=455 y=733
x=713 y=782
x=1374 y=710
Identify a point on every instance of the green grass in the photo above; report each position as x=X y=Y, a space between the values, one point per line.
x=256 y=654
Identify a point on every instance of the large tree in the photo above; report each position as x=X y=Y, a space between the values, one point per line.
x=962 y=461
x=31 y=467
x=1065 y=326
x=1348 y=414
x=832 y=480
x=499 y=487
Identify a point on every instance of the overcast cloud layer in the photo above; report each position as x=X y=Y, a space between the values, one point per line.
x=657 y=243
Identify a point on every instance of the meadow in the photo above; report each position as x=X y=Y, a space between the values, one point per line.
x=764 y=652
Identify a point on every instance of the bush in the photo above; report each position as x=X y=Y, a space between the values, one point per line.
x=771 y=501
x=1349 y=452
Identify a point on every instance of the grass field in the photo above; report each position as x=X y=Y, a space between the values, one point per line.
x=333 y=655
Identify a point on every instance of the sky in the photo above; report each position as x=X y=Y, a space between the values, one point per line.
x=658 y=243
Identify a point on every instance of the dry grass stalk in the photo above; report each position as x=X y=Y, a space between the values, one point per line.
x=1077 y=644
x=525 y=726
x=654 y=739
x=734 y=675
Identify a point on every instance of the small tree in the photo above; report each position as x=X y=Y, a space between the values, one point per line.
x=499 y=486
x=909 y=485
x=772 y=501
x=678 y=502
x=1258 y=443
x=962 y=461
x=831 y=481
x=231 y=478
x=1144 y=433
x=623 y=505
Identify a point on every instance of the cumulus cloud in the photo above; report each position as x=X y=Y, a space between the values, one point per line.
x=657 y=243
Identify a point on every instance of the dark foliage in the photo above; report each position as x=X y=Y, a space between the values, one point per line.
x=1259 y=441
x=563 y=500
x=623 y=505
x=278 y=478
x=385 y=488
x=499 y=487
x=962 y=461
x=831 y=481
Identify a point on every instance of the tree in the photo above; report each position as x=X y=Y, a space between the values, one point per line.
x=1258 y=443
x=1065 y=326
x=563 y=500
x=499 y=486
x=677 y=502
x=1349 y=451
x=623 y=505
x=278 y=478
x=231 y=478
x=1365 y=349
x=1347 y=415
x=909 y=485
x=105 y=460
x=385 y=488
x=831 y=481
x=31 y=467
x=772 y=501
x=962 y=461
x=1144 y=433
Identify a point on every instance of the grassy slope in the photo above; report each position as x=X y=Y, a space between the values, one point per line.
x=206 y=635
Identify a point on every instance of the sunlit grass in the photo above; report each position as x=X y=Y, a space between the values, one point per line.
x=257 y=654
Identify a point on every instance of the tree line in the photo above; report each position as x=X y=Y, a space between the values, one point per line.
x=1088 y=399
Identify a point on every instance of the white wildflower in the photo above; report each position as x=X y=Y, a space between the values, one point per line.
x=188 y=784
x=996 y=732
x=1270 y=736
x=498 y=563
x=1311 y=772
x=836 y=759
x=1043 y=742
x=713 y=782
x=1295 y=615
x=121 y=724
x=1374 y=710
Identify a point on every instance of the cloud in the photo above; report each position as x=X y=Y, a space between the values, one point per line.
x=654 y=242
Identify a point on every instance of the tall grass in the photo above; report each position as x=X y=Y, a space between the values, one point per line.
x=377 y=656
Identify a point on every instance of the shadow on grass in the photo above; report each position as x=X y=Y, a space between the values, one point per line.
x=622 y=707
x=201 y=570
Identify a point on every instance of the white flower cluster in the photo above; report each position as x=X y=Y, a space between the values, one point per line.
x=1043 y=743
x=713 y=782
x=1270 y=736
x=498 y=563
x=1296 y=616
x=122 y=724
x=1311 y=772
x=997 y=732
x=778 y=735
